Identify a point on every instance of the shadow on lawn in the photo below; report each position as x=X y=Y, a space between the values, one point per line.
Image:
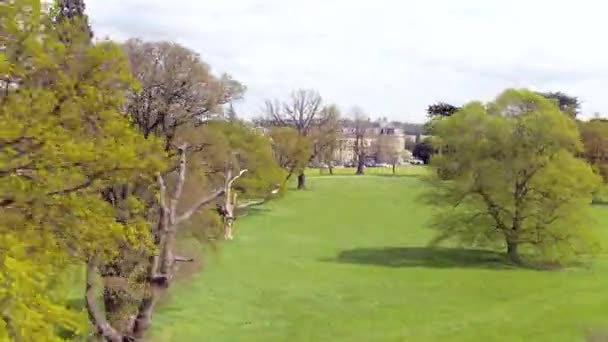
x=434 y=257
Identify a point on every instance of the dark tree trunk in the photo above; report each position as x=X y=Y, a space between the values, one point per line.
x=301 y=181
x=512 y=252
x=394 y=167
x=361 y=165
x=331 y=170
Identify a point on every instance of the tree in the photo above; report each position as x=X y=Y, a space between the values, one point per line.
x=424 y=150
x=177 y=88
x=566 y=103
x=72 y=17
x=325 y=137
x=304 y=111
x=63 y=140
x=362 y=124
x=513 y=177
x=240 y=159
x=178 y=94
x=441 y=110
x=594 y=134
x=389 y=150
x=290 y=149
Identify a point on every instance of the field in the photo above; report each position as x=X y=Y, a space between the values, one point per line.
x=347 y=260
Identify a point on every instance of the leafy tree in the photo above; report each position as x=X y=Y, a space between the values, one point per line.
x=441 y=110
x=513 y=177
x=290 y=149
x=63 y=139
x=594 y=134
x=304 y=111
x=232 y=149
x=424 y=150
x=566 y=103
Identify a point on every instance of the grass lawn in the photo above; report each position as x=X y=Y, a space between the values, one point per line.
x=347 y=260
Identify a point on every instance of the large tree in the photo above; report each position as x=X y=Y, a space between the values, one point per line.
x=511 y=177
x=177 y=94
x=63 y=140
x=177 y=88
x=303 y=111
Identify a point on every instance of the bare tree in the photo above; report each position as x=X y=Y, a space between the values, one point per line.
x=303 y=111
x=389 y=149
x=177 y=88
x=162 y=265
x=362 y=124
x=177 y=91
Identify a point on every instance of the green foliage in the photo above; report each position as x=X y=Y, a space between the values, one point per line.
x=63 y=138
x=511 y=176
x=291 y=150
x=236 y=146
x=594 y=134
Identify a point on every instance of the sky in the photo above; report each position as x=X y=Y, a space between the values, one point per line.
x=390 y=57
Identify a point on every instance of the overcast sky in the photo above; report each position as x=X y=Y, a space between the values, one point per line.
x=390 y=57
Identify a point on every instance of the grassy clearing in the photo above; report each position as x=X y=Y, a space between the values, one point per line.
x=347 y=261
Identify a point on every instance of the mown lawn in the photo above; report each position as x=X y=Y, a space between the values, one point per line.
x=347 y=260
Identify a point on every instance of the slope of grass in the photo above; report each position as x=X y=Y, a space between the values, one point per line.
x=347 y=260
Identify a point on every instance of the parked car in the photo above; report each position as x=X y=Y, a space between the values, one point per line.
x=416 y=162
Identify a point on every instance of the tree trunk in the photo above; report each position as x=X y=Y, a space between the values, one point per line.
x=301 y=181
x=96 y=315
x=331 y=170
x=361 y=165
x=394 y=169
x=512 y=252
x=229 y=206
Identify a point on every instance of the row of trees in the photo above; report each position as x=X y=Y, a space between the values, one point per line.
x=518 y=171
x=108 y=153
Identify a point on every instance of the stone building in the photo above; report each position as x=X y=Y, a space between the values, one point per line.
x=376 y=139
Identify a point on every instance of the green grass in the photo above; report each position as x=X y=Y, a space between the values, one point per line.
x=402 y=170
x=347 y=260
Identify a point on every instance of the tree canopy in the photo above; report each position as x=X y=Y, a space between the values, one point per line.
x=63 y=139
x=511 y=177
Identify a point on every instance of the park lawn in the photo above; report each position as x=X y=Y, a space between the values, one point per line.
x=346 y=260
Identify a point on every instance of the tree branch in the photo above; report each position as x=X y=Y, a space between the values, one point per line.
x=196 y=207
x=95 y=313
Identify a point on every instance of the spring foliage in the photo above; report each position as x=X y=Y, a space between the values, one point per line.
x=63 y=138
x=510 y=176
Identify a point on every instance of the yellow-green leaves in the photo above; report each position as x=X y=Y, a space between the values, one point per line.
x=63 y=139
x=511 y=175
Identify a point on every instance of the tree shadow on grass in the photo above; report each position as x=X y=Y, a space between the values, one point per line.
x=433 y=257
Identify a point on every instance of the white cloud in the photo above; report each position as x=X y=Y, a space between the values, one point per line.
x=391 y=57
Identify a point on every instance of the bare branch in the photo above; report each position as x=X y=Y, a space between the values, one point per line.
x=180 y=182
x=196 y=207
x=163 y=190
x=182 y=259
x=236 y=177
x=95 y=313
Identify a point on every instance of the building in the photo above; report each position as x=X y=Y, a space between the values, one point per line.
x=382 y=144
